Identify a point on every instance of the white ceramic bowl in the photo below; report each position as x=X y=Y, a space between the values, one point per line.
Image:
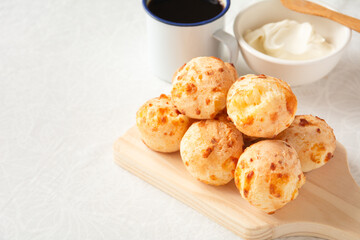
x=293 y=71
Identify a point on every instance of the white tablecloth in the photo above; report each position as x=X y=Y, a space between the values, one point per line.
x=72 y=76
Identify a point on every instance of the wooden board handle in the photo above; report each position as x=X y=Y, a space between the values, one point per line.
x=329 y=205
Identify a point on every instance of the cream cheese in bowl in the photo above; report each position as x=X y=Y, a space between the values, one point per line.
x=289 y=39
x=295 y=72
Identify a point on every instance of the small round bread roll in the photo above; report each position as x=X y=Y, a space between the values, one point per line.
x=261 y=106
x=200 y=87
x=312 y=138
x=210 y=150
x=161 y=125
x=268 y=174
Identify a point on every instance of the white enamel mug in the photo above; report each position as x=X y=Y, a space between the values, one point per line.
x=172 y=44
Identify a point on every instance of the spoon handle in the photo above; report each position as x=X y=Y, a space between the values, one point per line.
x=343 y=19
x=308 y=7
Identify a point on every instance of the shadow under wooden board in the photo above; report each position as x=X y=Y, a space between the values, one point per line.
x=328 y=205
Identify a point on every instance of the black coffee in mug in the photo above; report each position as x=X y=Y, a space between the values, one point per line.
x=185 y=11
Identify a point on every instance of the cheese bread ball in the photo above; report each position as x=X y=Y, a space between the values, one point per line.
x=161 y=125
x=200 y=87
x=210 y=150
x=261 y=106
x=268 y=174
x=312 y=138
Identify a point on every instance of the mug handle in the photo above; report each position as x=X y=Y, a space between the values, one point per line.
x=230 y=42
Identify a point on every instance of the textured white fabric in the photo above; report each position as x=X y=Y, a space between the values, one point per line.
x=72 y=76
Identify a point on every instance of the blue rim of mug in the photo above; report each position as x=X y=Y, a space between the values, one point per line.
x=226 y=8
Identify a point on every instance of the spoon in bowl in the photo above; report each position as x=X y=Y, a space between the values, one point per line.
x=307 y=7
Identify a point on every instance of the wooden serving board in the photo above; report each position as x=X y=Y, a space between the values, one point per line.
x=328 y=205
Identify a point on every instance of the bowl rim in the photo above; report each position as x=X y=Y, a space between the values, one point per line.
x=245 y=46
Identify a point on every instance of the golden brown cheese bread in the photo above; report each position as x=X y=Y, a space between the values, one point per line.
x=200 y=87
x=161 y=125
x=268 y=174
x=312 y=138
x=261 y=106
x=210 y=150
